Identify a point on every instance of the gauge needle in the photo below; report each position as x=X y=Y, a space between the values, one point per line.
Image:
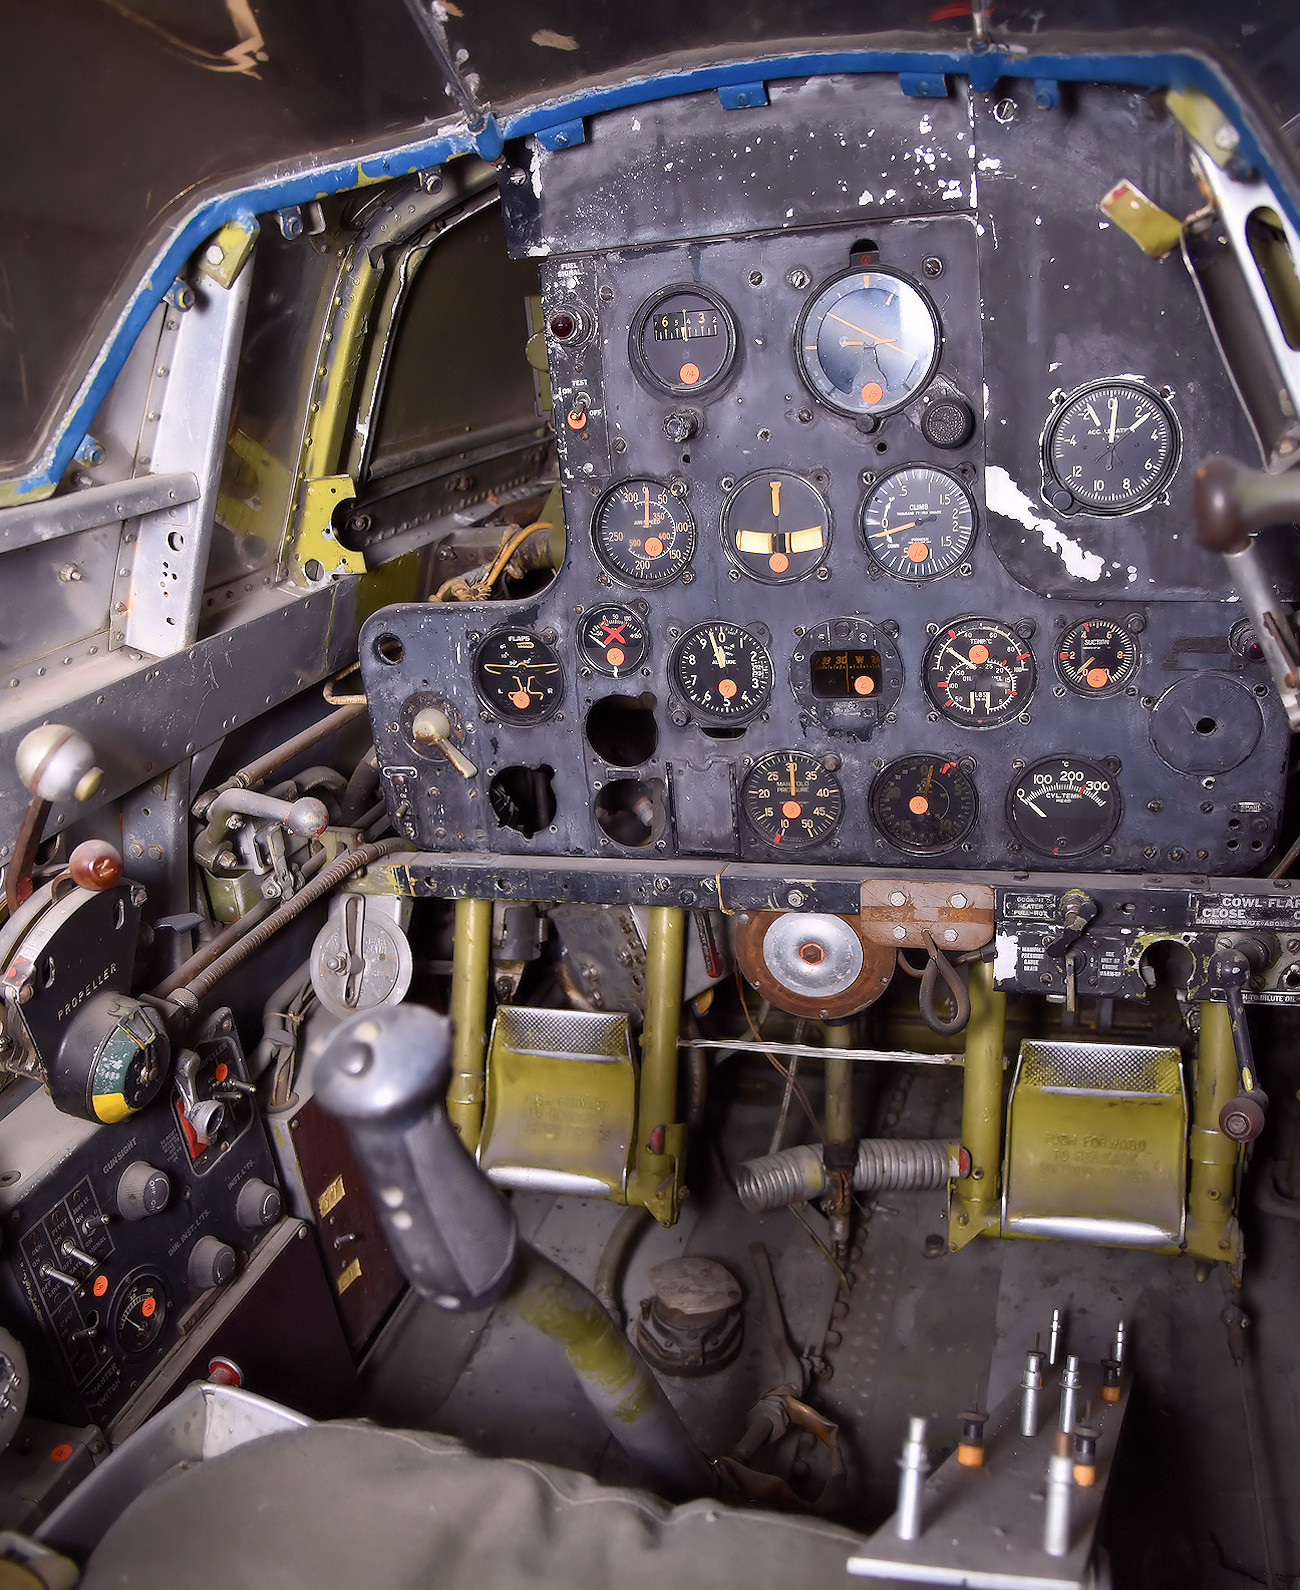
x=888 y=342
x=1114 y=417
x=929 y=774
x=645 y=523
x=790 y=765
x=719 y=654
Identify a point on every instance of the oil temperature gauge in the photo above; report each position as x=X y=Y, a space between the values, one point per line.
x=722 y=671
x=776 y=527
x=918 y=522
x=613 y=639
x=924 y=803
x=792 y=799
x=518 y=676
x=1096 y=657
x=1064 y=805
x=979 y=672
x=642 y=533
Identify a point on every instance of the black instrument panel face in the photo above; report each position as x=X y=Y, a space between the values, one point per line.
x=806 y=548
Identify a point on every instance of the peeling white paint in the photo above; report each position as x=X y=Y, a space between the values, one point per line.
x=866 y=197
x=986 y=401
x=990 y=163
x=974 y=197
x=926 y=124
x=1004 y=497
x=1056 y=365
x=636 y=124
x=1006 y=954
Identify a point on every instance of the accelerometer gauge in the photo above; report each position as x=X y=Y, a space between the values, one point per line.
x=868 y=342
x=923 y=803
x=683 y=340
x=139 y=1312
x=1064 y=805
x=776 y=527
x=722 y=671
x=613 y=639
x=918 y=522
x=979 y=673
x=1096 y=657
x=792 y=799
x=518 y=676
x=1110 y=448
x=642 y=533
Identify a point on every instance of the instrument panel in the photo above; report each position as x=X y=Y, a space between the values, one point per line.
x=795 y=611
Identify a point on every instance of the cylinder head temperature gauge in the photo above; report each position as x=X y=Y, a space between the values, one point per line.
x=1064 y=805
x=642 y=533
x=792 y=799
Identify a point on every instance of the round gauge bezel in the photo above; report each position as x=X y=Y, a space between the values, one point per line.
x=1103 y=772
x=1114 y=686
x=641 y=320
x=874 y=491
x=1148 y=494
x=845 y=712
x=635 y=582
x=803 y=757
x=860 y=411
x=738 y=558
x=517 y=720
x=144 y=1276
x=706 y=714
x=1021 y=700
x=904 y=845
x=596 y=659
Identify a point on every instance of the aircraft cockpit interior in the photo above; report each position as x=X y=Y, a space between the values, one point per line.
x=648 y=685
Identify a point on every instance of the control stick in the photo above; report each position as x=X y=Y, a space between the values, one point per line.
x=384 y=1075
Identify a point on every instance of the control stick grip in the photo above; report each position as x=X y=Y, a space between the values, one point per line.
x=384 y=1075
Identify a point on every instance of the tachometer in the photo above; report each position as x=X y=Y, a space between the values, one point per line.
x=776 y=527
x=721 y=671
x=1096 y=657
x=868 y=342
x=918 y=522
x=924 y=803
x=792 y=799
x=518 y=676
x=979 y=672
x=642 y=533
x=683 y=340
x=1064 y=805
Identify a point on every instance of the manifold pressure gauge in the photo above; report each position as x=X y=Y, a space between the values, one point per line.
x=776 y=527
x=1096 y=657
x=868 y=342
x=642 y=533
x=721 y=671
x=792 y=799
x=1064 y=805
x=918 y=522
x=1111 y=448
x=518 y=677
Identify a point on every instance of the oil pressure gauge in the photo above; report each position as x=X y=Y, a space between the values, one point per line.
x=792 y=799
x=518 y=677
x=722 y=671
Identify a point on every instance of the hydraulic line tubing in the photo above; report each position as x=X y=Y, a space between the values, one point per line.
x=884 y=1164
x=657 y=1097
x=616 y=1379
x=255 y=772
x=1213 y=1154
x=471 y=958
x=981 y=1105
x=609 y=1271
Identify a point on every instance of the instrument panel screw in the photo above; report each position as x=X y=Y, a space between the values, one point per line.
x=794 y=898
x=798 y=278
x=932 y=266
x=755 y=278
x=804 y=416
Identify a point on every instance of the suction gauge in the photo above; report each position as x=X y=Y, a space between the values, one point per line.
x=918 y=522
x=642 y=533
x=776 y=527
x=683 y=340
x=792 y=799
x=1096 y=657
x=1064 y=805
x=868 y=342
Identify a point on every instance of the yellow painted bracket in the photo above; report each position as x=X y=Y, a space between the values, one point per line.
x=226 y=252
x=317 y=544
x=1203 y=121
x=1154 y=230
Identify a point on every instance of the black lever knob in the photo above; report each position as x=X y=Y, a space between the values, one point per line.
x=384 y=1074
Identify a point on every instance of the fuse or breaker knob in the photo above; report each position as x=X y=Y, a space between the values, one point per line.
x=142 y=1191
x=211 y=1263
x=257 y=1205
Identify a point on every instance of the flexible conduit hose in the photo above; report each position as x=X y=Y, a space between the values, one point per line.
x=796 y=1175
x=190 y=995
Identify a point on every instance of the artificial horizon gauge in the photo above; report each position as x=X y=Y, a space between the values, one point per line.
x=868 y=342
x=792 y=799
x=924 y=803
x=612 y=639
x=1111 y=448
x=518 y=676
x=683 y=340
x=721 y=671
x=918 y=522
x=776 y=527
x=642 y=533
x=979 y=673
x=1064 y=805
x=1096 y=657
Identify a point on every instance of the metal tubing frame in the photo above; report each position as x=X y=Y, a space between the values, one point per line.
x=471 y=963
x=974 y=1205
x=837 y=1108
x=655 y=1182
x=1212 y=1230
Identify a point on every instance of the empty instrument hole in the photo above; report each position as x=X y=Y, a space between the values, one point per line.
x=631 y=811
x=1206 y=725
x=389 y=649
x=523 y=798
x=721 y=733
x=622 y=731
